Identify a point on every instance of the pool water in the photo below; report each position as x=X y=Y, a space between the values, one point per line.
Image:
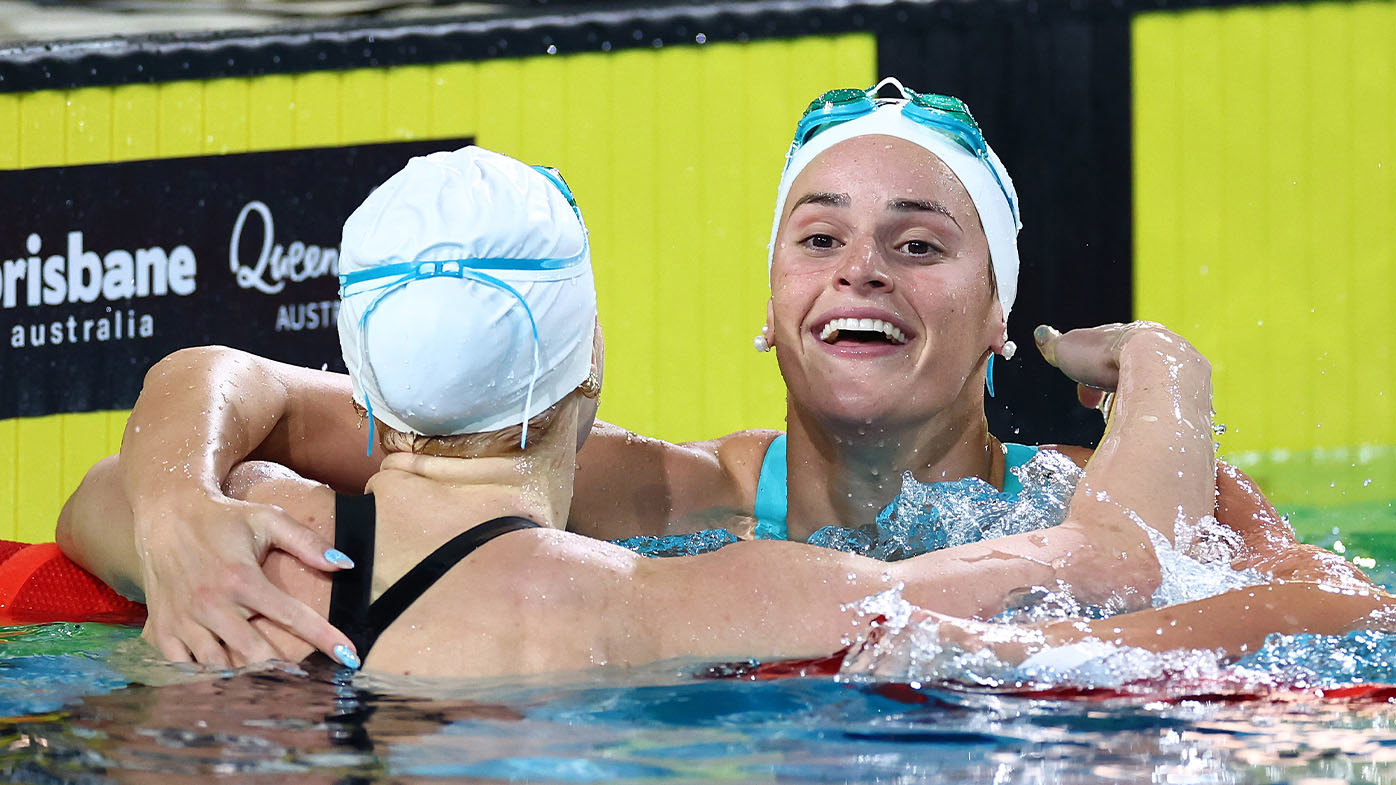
x=661 y=723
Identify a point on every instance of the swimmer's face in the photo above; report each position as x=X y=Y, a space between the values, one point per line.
x=876 y=228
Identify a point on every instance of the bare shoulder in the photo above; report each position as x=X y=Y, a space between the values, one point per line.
x=1078 y=455
x=741 y=455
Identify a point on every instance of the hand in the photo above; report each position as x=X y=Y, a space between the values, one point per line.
x=201 y=562
x=932 y=646
x=1092 y=356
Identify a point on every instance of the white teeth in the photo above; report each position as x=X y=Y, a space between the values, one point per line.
x=833 y=326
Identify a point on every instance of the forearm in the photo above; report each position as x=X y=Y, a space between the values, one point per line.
x=1156 y=461
x=775 y=598
x=1155 y=467
x=1236 y=622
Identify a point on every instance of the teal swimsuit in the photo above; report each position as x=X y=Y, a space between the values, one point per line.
x=770 y=507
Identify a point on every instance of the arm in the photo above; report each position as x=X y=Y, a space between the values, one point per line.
x=784 y=599
x=1230 y=624
x=630 y=485
x=1235 y=622
x=1155 y=465
x=1268 y=542
x=199 y=551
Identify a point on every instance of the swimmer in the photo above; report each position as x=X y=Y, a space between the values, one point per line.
x=461 y=566
x=883 y=215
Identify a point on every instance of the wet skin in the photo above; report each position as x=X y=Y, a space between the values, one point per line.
x=876 y=228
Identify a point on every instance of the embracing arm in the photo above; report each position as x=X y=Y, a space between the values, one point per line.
x=204 y=410
x=200 y=412
x=1238 y=621
x=776 y=599
x=629 y=485
x=1155 y=465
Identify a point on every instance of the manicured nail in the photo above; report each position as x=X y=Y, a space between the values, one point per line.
x=346 y=657
x=1041 y=334
x=338 y=558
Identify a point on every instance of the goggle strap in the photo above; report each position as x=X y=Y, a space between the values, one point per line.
x=889 y=80
x=408 y=272
x=555 y=177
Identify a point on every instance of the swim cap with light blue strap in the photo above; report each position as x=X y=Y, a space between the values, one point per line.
x=467 y=296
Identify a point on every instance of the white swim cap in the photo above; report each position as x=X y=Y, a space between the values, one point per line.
x=997 y=206
x=467 y=300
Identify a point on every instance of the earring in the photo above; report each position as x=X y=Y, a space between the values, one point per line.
x=761 y=342
x=1009 y=349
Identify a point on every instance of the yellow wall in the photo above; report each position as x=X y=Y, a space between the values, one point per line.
x=674 y=155
x=1265 y=229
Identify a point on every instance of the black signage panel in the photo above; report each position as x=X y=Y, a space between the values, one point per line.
x=104 y=269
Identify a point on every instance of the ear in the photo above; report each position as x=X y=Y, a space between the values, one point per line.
x=769 y=328
x=998 y=323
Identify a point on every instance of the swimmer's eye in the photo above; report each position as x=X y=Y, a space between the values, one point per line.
x=921 y=248
x=820 y=242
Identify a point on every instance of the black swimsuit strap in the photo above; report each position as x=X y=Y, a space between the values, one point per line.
x=355 y=521
x=391 y=603
x=350 y=610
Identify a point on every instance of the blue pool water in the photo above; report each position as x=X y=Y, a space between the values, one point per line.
x=661 y=723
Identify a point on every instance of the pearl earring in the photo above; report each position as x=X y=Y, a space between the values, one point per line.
x=762 y=342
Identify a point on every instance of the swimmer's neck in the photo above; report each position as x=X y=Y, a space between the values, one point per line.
x=430 y=492
x=845 y=475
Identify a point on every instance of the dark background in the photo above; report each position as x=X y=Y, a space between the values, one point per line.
x=309 y=192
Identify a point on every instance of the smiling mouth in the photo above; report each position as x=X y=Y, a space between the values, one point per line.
x=861 y=331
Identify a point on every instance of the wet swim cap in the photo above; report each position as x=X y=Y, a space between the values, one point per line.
x=467 y=300
x=996 y=214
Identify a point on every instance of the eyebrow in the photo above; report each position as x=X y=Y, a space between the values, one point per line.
x=824 y=198
x=920 y=205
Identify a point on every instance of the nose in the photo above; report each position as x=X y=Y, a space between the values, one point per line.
x=863 y=272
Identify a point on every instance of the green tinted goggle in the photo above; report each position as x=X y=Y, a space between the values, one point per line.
x=944 y=114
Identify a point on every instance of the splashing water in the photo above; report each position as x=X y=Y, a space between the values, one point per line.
x=1186 y=578
x=927 y=517
x=690 y=544
x=901 y=644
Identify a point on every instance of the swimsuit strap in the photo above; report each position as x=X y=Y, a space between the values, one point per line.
x=1014 y=456
x=770 y=506
x=391 y=603
x=771 y=503
x=355 y=521
x=364 y=622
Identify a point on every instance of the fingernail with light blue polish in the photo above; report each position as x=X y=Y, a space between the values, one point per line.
x=1042 y=333
x=346 y=657
x=337 y=558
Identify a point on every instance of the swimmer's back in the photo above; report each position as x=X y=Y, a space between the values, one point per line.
x=469 y=622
